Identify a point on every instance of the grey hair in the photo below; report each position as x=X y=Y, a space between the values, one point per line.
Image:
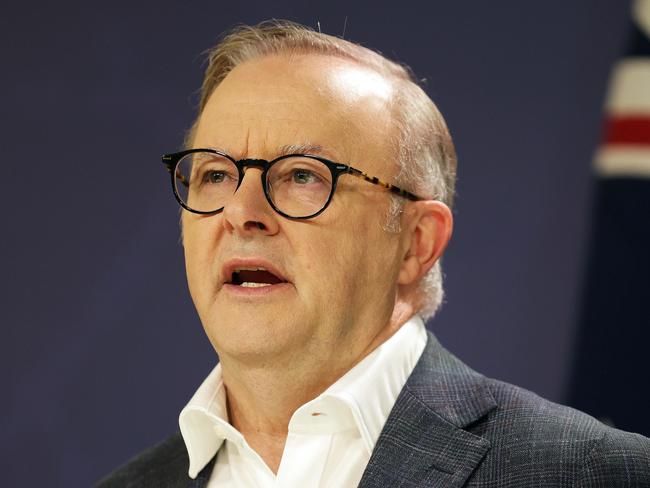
x=424 y=149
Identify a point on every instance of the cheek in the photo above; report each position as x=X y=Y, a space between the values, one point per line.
x=335 y=259
x=371 y=257
x=198 y=245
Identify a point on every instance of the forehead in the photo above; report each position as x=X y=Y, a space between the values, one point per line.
x=315 y=100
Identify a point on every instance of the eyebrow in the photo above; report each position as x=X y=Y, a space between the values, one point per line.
x=304 y=148
x=301 y=148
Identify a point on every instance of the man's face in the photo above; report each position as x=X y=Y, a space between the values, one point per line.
x=340 y=267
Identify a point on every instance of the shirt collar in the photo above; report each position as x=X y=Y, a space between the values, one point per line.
x=371 y=388
x=204 y=422
x=362 y=399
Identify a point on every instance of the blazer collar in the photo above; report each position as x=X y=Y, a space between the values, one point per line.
x=424 y=442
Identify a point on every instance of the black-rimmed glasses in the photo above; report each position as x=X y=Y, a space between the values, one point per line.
x=297 y=186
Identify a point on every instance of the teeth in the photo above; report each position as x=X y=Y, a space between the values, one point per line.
x=252 y=268
x=251 y=284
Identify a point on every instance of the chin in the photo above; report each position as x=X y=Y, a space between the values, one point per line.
x=252 y=338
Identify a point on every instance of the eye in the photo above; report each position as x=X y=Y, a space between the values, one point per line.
x=304 y=176
x=214 y=177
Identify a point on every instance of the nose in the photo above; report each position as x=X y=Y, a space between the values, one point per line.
x=248 y=212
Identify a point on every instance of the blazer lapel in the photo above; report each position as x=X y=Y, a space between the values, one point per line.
x=424 y=442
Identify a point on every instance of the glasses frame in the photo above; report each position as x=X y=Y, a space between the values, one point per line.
x=336 y=169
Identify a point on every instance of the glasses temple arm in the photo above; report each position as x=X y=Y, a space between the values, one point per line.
x=376 y=181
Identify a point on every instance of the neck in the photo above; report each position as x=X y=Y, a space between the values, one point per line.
x=262 y=398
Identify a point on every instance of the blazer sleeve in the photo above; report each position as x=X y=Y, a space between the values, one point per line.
x=619 y=459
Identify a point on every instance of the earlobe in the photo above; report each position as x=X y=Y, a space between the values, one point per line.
x=429 y=230
x=409 y=271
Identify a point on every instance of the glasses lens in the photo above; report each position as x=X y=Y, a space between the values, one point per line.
x=299 y=186
x=205 y=181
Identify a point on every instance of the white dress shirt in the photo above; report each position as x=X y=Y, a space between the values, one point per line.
x=330 y=438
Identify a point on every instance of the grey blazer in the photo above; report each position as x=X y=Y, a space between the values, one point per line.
x=452 y=427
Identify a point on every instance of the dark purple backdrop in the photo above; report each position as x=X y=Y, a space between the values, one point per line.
x=101 y=346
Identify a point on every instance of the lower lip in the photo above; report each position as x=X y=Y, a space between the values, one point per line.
x=255 y=291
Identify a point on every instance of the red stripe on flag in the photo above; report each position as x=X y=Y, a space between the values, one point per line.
x=627 y=130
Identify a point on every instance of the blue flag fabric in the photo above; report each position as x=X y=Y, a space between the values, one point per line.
x=611 y=377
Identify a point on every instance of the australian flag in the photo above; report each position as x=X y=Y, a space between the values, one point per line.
x=611 y=378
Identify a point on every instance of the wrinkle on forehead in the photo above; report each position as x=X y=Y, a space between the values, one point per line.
x=338 y=83
x=268 y=103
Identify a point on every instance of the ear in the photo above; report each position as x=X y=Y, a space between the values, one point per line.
x=427 y=229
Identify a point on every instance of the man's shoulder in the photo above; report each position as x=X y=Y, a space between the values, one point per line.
x=522 y=411
x=540 y=437
x=163 y=465
x=513 y=414
x=525 y=410
x=530 y=440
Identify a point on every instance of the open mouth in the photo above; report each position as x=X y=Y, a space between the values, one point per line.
x=253 y=278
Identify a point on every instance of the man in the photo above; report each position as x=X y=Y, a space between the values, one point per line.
x=316 y=191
